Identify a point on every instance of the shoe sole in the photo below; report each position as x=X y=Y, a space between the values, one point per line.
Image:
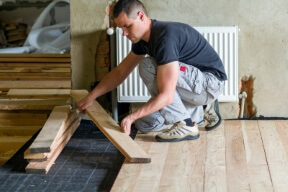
x=216 y=109
x=189 y=137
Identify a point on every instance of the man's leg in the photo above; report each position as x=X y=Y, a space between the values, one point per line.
x=174 y=115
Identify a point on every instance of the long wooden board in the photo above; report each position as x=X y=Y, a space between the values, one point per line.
x=63 y=84
x=52 y=128
x=129 y=148
x=31 y=104
x=38 y=93
x=37 y=157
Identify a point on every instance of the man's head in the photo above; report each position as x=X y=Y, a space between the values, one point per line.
x=131 y=17
x=129 y=7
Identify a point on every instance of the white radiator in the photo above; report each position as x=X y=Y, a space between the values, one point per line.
x=223 y=39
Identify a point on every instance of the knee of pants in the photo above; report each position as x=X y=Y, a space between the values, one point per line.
x=148 y=124
x=147 y=69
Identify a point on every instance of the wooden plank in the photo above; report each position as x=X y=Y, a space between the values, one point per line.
x=10 y=145
x=18 y=116
x=22 y=122
x=185 y=164
x=63 y=84
x=215 y=165
x=31 y=104
x=275 y=154
x=34 y=70
x=34 y=65
x=137 y=177
x=236 y=164
x=112 y=131
x=68 y=133
x=53 y=126
x=35 y=76
x=43 y=167
x=29 y=60
x=33 y=55
x=258 y=170
x=38 y=93
x=282 y=129
x=19 y=130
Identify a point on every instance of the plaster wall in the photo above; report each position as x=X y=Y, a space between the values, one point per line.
x=263 y=42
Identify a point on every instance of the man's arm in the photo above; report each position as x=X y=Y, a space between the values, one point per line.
x=112 y=79
x=167 y=76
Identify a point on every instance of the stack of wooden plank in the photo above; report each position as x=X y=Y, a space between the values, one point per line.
x=15 y=130
x=32 y=84
x=15 y=33
x=34 y=81
x=51 y=140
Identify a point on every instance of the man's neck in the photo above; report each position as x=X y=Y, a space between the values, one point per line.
x=146 y=36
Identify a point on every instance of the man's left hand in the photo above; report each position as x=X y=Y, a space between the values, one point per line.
x=126 y=124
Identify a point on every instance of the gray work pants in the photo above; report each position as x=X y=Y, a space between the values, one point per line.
x=193 y=90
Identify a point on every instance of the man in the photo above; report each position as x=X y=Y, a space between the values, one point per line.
x=182 y=74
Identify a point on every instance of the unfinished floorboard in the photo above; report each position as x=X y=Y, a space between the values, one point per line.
x=9 y=145
x=215 y=165
x=59 y=138
x=63 y=84
x=43 y=167
x=38 y=93
x=53 y=127
x=259 y=176
x=112 y=131
x=18 y=116
x=22 y=122
x=19 y=130
x=237 y=172
x=275 y=154
x=31 y=104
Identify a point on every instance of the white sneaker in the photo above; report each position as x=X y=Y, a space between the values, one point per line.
x=179 y=132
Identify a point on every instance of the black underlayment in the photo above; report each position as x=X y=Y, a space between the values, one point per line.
x=89 y=162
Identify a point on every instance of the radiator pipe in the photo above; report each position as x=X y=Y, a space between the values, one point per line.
x=242 y=96
x=110 y=32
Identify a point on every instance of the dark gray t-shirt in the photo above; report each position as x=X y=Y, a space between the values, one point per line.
x=173 y=41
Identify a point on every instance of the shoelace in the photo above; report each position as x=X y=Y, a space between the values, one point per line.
x=175 y=127
x=210 y=117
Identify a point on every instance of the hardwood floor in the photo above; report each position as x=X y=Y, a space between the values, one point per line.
x=237 y=156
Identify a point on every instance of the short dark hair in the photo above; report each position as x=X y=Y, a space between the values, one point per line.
x=128 y=7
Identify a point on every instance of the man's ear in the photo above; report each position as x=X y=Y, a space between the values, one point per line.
x=141 y=15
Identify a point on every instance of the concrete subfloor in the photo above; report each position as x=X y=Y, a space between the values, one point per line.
x=89 y=162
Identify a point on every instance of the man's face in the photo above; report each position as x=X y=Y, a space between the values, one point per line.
x=132 y=28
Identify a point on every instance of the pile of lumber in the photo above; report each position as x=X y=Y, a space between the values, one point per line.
x=14 y=34
x=15 y=130
x=30 y=84
x=34 y=81
x=51 y=140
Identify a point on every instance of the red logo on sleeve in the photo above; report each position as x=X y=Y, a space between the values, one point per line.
x=183 y=68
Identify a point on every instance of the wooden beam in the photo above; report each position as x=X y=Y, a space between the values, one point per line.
x=63 y=84
x=112 y=131
x=38 y=93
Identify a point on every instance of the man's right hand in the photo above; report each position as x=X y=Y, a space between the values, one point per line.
x=85 y=103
